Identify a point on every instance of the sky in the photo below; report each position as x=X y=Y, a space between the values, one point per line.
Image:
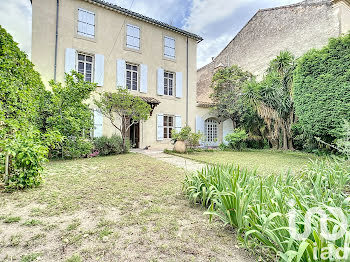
x=217 y=21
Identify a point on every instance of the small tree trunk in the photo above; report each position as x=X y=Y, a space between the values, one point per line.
x=285 y=139
x=7 y=173
x=290 y=144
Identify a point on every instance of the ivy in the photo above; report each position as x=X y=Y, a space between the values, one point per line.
x=322 y=89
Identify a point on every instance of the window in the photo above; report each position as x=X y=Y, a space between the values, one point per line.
x=132 y=77
x=168 y=126
x=211 y=130
x=85 y=67
x=133 y=37
x=86 y=23
x=169 y=47
x=168 y=83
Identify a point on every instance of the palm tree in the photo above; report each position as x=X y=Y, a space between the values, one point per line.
x=272 y=99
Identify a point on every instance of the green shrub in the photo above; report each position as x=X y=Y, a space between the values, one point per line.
x=26 y=158
x=322 y=89
x=236 y=140
x=109 y=145
x=259 y=207
x=76 y=147
x=186 y=134
x=182 y=135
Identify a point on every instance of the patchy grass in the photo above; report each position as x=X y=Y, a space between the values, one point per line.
x=10 y=219
x=119 y=208
x=264 y=161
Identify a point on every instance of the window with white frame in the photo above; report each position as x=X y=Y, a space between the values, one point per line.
x=86 y=23
x=133 y=37
x=169 y=83
x=211 y=130
x=169 y=47
x=85 y=66
x=132 y=77
x=168 y=124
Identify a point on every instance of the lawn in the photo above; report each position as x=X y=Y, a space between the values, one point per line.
x=264 y=161
x=120 y=208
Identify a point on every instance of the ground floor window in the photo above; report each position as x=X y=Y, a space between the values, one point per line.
x=168 y=123
x=211 y=130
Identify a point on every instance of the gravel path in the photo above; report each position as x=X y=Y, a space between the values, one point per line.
x=180 y=162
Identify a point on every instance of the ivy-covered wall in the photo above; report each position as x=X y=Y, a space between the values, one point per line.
x=322 y=89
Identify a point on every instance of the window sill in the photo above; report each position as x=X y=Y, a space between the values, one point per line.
x=169 y=97
x=169 y=59
x=85 y=38
x=132 y=49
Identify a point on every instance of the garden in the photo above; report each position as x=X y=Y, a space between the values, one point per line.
x=277 y=188
x=284 y=205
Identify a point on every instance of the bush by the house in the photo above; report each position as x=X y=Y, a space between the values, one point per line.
x=259 y=207
x=191 y=138
x=236 y=140
x=322 y=89
x=109 y=145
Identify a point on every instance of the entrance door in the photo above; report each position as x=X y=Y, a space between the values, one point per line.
x=135 y=135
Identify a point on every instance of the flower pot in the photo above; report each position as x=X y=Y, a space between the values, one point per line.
x=180 y=146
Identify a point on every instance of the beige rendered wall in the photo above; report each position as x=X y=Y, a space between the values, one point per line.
x=110 y=42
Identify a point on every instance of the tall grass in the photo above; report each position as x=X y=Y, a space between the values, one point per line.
x=258 y=206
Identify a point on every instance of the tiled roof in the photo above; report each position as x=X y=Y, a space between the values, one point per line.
x=144 y=18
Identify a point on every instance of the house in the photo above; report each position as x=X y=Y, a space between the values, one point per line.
x=297 y=28
x=115 y=47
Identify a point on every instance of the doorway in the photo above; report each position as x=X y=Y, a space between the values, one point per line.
x=135 y=135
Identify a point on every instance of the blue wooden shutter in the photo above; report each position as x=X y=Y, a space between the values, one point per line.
x=99 y=69
x=178 y=123
x=160 y=127
x=200 y=127
x=160 y=82
x=227 y=129
x=69 y=60
x=179 y=84
x=121 y=68
x=98 y=124
x=143 y=78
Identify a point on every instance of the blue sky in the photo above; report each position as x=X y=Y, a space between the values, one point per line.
x=217 y=21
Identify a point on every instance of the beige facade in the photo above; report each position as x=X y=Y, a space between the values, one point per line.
x=108 y=48
x=297 y=28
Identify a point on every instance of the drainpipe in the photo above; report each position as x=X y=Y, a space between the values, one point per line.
x=187 y=81
x=56 y=41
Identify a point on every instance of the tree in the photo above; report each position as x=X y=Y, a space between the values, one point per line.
x=227 y=86
x=129 y=109
x=273 y=100
x=68 y=114
x=23 y=148
x=322 y=89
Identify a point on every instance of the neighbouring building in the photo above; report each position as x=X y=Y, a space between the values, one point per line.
x=297 y=28
x=115 y=47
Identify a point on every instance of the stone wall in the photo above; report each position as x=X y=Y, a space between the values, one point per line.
x=296 y=28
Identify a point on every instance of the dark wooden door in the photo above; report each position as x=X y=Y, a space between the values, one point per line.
x=135 y=135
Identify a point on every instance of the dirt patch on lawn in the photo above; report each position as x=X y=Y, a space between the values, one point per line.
x=121 y=208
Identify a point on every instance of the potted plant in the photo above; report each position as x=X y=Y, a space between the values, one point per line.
x=180 y=138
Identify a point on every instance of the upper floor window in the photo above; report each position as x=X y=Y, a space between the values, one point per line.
x=86 y=23
x=133 y=36
x=132 y=77
x=85 y=66
x=169 y=83
x=169 y=47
